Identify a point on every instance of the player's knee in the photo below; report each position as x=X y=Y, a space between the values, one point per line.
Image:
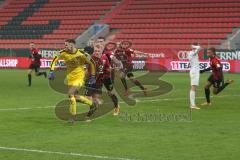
x=131 y=79
x=121 y=76
x=70 y=95
x=194 y=88
x=206 y=86
x=215 y=92
x=110 y=93
x=76 y=96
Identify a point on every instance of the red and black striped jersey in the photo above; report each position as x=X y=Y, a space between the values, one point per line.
x=216 y=67
x=35 y=56
x=99 y=69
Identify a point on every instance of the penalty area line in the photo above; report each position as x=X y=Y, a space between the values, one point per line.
x=62 y=153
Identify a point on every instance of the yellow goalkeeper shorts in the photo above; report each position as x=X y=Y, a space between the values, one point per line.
x=77 y=81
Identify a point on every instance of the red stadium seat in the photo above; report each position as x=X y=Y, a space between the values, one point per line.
x=151 y=25
x=174 y=23
x=74 y=18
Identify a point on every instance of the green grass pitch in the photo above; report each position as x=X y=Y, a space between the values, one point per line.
x=34 y=133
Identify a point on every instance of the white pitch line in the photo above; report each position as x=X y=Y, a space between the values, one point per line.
x=174 y=99
x=24 y=108
x=138 y=101
x=63 y=153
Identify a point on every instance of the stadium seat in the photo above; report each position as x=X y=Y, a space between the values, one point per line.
x=151 y=25
x=174 y=23
x=48 y=20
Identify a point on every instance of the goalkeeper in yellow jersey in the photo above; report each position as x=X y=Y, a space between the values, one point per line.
x=74 y=60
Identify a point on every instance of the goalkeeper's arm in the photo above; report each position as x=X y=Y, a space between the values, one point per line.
x=53 y=64
x=51 y=73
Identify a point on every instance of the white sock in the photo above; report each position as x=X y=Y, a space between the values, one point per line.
x=192 y=98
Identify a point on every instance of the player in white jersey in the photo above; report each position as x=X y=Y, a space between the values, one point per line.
x=194 y=72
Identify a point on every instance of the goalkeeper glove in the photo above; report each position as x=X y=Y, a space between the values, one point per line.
x=92 y=80
x=51 y=75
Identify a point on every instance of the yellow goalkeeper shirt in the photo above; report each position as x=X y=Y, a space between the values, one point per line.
x=75 y=64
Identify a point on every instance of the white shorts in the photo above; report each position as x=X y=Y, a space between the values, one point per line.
x=194 y=76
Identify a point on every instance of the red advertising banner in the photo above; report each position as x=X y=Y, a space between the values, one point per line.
x=24 y=62
x=170 y=54
x=14 y=62
x=139 y=64
x=232 y=66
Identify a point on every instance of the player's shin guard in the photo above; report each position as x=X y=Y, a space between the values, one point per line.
x=73 y=106
x=115 y=100
x=221 y=88
x=85 y=100
x=207 y=94
x=137 y=83
x=192 y=98
x=124 y=82
x=29 y=79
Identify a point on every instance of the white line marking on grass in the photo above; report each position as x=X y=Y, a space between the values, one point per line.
x=62 y=153
x=24 y=108
x=122 y=102
x=174 y=99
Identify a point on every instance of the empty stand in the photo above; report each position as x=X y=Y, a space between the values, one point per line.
x=150 y=24
x=153 y=25
x=48 y=22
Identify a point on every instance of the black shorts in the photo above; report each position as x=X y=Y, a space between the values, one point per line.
x=108 y=84
x=90 y=90
x=216 y=83
x=34 y=66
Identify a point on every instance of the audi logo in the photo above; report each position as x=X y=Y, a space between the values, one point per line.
x=182 y=55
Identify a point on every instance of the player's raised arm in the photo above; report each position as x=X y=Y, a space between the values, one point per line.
x=195 y=48
x=54 y=62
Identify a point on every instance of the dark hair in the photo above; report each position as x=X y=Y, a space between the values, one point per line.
x=101 y=38
x=213 y=50
x=71 y=41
